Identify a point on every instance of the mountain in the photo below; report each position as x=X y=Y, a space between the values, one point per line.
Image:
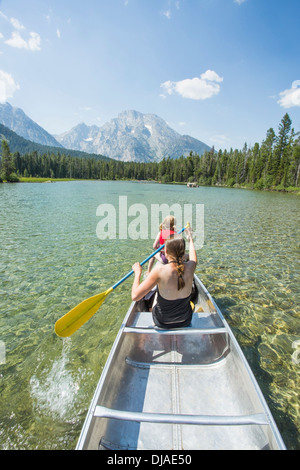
x=21 y=145
x=132 y=136
x=16 y=120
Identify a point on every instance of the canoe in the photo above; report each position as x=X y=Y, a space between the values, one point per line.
x=187 y=388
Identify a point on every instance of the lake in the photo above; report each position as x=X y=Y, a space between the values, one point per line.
x=52 y=259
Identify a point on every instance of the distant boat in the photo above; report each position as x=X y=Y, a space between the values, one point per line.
x=186 y=388
x=192 y=185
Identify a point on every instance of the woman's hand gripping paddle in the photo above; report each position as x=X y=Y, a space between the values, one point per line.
x=75 y=318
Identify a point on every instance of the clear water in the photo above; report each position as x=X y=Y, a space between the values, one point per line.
x=51 y=259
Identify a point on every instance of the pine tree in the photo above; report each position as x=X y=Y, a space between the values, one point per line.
x=295 y=165
x=282 y=150
x=7 y=164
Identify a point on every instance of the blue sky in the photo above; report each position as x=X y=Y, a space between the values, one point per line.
x=222 y=71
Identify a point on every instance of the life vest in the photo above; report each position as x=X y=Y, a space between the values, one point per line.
x=165 y=235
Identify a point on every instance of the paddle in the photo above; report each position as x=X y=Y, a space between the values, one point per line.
x=75 y=318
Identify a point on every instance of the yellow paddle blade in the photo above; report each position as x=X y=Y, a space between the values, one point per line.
x=75 y=318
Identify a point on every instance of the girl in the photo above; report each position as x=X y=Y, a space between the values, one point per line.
x=174 y=281
x=166 y=230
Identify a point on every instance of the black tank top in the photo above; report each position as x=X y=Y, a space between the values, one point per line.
x=172 y=313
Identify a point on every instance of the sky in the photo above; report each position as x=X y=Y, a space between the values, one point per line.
x=222 y=71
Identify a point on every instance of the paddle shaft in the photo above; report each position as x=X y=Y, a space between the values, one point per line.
x=143 y=262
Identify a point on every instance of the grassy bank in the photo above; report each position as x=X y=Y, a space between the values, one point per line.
x=278 y=189
x=43 y=180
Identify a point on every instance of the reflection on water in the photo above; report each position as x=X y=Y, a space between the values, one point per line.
x=51 y=259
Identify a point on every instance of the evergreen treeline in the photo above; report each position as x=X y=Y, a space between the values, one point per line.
x=273 y=164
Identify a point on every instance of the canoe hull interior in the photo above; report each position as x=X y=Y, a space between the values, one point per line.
x=188 y=388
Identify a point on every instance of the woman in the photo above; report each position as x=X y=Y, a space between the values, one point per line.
x=166 y=231
x=174 y=281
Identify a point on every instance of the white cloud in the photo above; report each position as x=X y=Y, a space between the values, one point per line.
x=17 y=24
x=16 y=40
x=171 y=4
x=58 y=33
x=239 y=2
x=85 y=108
x=196 y=88
x=167 y=14
x=34 y=42
x=3 y=16
x=291 y=97
x=8 y=86
x=219 y=139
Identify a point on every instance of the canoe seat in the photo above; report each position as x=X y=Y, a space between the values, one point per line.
x=200 y=320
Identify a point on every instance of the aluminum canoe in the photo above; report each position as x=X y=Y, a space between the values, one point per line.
x=188 y=388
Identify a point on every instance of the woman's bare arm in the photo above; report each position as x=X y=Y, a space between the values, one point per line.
x=156 y=242
x=192 y=251
x=138 y=290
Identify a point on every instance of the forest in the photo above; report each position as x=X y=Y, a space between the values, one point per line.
x=273 y=164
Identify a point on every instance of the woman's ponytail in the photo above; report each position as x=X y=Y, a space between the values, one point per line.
x=176 y=248
x=180 y=272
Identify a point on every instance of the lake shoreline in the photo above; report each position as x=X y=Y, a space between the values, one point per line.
x=290 y=190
